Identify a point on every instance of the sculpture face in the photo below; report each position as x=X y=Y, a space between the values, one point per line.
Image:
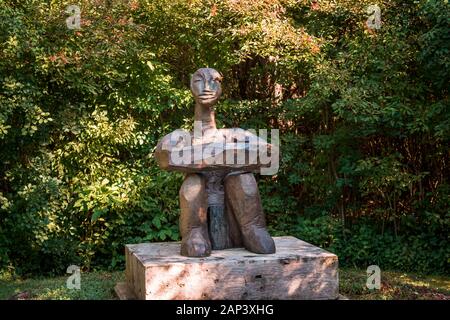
x=205 y=86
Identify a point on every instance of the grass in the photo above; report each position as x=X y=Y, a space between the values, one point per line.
x=94 y=286
x=394 y=286
x=100 y=286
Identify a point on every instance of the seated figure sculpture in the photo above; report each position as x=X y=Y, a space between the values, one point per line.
x=220 y=202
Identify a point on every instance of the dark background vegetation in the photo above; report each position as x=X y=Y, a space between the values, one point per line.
x=363 y=114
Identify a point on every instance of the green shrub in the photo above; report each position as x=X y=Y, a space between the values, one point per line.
x=363 y=119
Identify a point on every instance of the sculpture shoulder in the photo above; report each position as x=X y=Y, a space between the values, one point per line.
x=177 y=139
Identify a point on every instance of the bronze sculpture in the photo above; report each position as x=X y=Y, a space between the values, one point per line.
x=220 y=202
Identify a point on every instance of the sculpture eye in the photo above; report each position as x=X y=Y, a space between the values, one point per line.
x=218 y=79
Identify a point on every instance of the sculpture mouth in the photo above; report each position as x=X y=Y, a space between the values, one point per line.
x=207 y=97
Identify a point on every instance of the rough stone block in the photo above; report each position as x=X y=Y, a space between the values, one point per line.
x=298 y=270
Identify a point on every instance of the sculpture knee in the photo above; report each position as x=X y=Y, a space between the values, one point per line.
x=243 y=183
x=193 y=188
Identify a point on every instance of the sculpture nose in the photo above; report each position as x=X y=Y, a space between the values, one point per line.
x=207 y=87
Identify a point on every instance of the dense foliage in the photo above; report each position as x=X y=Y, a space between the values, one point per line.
x=364 y=119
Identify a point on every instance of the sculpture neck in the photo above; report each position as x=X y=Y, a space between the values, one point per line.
x=206 y=115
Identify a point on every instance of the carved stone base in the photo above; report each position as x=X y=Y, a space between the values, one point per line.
x=298 y=270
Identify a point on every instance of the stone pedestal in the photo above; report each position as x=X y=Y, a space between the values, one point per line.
x=298 y=270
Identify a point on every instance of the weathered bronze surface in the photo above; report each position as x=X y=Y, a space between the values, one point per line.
x=220 y=202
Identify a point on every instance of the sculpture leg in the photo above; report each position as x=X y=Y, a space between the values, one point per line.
x=242 y=195
x=193 y=218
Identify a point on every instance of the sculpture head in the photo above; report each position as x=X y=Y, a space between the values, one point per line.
x=205 y=86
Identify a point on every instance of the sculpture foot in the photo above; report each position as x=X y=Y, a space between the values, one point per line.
x=258 y=240
x=195 y=245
